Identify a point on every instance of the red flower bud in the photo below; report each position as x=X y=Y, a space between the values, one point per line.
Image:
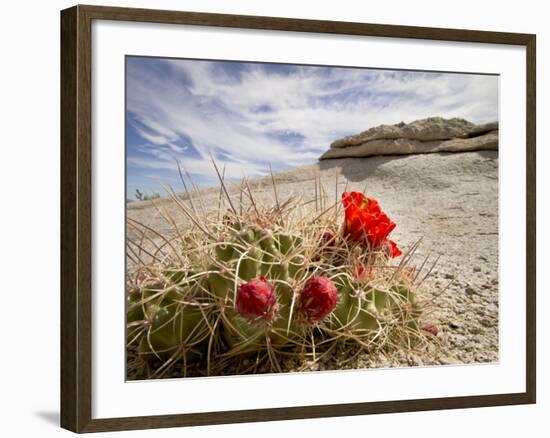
x=431 y=329
x=257 y=299
x=317 y=298
x=361 y=272
x=328 y=239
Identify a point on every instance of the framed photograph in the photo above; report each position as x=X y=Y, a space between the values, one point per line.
x=270 y=218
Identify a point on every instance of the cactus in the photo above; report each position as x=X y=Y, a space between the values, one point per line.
x=173 y=328
x=264 y=282
x=169 y=323
x=241 y=334
x=355 y=310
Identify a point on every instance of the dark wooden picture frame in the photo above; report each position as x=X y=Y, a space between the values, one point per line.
x=76 y=217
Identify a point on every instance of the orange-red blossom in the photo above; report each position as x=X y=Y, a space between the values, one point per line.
x=365 y=222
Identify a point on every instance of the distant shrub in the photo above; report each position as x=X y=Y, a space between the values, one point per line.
x=144 y=197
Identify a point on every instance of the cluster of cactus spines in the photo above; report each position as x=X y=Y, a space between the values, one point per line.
x=265 y=281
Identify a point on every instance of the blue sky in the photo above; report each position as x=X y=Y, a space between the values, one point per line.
x=248 y=115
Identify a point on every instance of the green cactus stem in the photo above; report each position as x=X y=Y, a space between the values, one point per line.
x=173 y=328
x=242 y=335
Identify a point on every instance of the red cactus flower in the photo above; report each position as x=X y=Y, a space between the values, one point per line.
x=391 y=249
x=257 y=299
x=317 y=298
x=365 y=222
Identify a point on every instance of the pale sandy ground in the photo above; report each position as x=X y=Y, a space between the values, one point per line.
x=449 y=199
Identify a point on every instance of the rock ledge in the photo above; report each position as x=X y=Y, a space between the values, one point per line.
x=433 y=134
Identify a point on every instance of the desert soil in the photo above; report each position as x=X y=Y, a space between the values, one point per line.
x=450 y=200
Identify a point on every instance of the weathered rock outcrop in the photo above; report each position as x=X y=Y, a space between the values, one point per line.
x=434 y=134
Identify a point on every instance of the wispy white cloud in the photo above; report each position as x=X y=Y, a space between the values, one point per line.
x=247 y=115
